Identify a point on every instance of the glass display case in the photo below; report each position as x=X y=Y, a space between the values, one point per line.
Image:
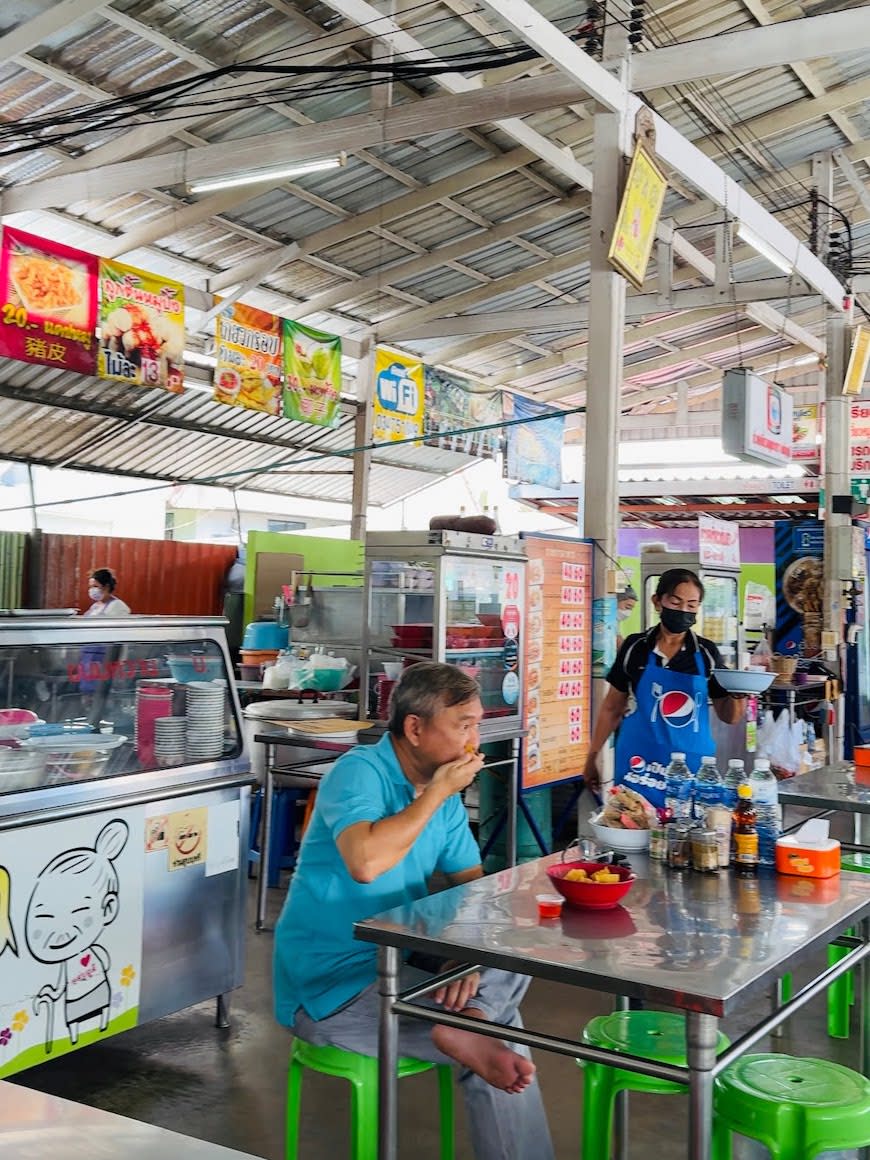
x=447 y=596
x=124 y=817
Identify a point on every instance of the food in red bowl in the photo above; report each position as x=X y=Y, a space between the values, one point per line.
x=586 y=891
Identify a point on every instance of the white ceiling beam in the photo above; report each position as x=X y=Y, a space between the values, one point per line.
x=403 y=44
x=778 y=323
x=431 y=260
x=672 y=148
x=852 y=177
x=55 y=18
x=402 y=123
x=636 y=306
x=398 y=325
x=729 y=54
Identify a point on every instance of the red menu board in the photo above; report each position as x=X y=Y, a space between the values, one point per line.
x=49 y=303
x=558 y=659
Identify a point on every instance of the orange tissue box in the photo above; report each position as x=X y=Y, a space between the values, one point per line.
x=795 y=855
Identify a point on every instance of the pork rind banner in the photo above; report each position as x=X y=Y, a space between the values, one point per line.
x=249 y=351
x=141 y=327
x=49 y=303
x=312 y=361
x=534 y=449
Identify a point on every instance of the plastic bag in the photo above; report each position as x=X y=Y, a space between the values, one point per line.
x=785 y=751
x=766 y=733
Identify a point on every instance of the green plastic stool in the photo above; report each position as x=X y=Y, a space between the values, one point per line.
x=797 y=1108
x=657 y=1035
x=362 y=1072
x=841 y=993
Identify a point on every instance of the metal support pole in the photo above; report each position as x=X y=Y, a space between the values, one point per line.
x=388 y=1054
x=362 y=434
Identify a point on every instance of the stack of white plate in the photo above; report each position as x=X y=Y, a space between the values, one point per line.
x=204 y=740
x=169 y=740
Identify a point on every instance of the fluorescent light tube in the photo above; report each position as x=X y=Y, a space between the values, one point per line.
x=210 y=185
x=764 y=248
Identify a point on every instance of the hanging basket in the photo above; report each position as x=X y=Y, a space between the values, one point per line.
x=784 y=667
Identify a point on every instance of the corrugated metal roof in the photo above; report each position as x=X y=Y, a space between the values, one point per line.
x=373 y=215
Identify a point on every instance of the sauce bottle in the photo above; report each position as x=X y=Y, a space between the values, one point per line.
x=744 y=833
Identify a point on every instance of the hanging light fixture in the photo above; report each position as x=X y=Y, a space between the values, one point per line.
x=748 y=235
x=277 y=173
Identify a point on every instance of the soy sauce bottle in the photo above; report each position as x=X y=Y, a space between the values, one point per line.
x=744 y=833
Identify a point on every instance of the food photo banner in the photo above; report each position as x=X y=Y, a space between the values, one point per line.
x=534 y=450
x=452 y=404
x=312 y=365
x=141 y=327
x=249 y=349
x=49 y=303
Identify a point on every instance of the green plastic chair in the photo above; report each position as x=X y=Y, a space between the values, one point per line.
x=656 y=1035
x=797 y=1108
x=841 y=993
x=362 y=1073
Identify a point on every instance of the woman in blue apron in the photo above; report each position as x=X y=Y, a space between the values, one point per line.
x=660 y=689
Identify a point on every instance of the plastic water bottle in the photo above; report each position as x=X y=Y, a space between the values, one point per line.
x=765 y=796
x=708 y=787
x=679 y=784
x=734 y=774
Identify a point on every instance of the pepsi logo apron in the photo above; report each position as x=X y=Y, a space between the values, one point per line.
x=671 y=715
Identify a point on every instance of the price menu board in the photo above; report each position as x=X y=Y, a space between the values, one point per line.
x=558 y=652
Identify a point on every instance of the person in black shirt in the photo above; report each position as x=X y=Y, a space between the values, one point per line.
x=660 y=686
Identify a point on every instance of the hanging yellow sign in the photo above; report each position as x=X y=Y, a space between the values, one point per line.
x=635 y=231
x=857 y=369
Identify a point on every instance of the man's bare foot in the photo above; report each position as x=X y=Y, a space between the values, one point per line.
x=489 y=1058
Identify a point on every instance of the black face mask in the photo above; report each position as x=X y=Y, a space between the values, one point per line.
x=674 y=620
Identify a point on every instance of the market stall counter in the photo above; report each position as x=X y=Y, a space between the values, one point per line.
x=124 y=814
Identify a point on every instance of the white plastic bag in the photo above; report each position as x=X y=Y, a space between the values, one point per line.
x=785 y=753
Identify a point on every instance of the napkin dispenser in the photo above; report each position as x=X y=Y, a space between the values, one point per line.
x=809 y=852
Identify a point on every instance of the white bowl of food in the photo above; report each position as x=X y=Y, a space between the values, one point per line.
x=617 y=838
x=742 y=682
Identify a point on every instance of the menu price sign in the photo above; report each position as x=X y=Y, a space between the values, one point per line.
x=558 y=659
x=141 y=327
x=48 y=303
x=718 y=543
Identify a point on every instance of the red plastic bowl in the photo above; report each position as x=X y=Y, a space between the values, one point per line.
x=18 y=717
x=592 y=895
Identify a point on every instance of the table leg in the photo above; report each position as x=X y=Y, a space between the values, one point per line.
x=620 y=1103
x=265 y=836
x=864 y=1000
x=513 y=798
x=388 y=1054
x=701 y=1035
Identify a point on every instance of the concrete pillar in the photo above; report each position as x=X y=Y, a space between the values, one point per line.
x=604 y=372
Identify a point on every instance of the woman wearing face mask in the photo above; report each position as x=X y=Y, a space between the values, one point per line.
x=626 y=601
x=660 y=686
x=101 y=589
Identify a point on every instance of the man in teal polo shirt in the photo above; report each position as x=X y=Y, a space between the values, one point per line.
x=388 y=817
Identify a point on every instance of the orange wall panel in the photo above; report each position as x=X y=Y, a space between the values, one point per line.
x=155 y=577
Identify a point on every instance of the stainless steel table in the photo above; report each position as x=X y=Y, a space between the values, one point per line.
x=706 y=945
x=34 y=1125
x=830 y=788
x=316 y=756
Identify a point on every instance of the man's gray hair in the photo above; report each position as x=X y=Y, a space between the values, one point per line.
x=426 y=688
